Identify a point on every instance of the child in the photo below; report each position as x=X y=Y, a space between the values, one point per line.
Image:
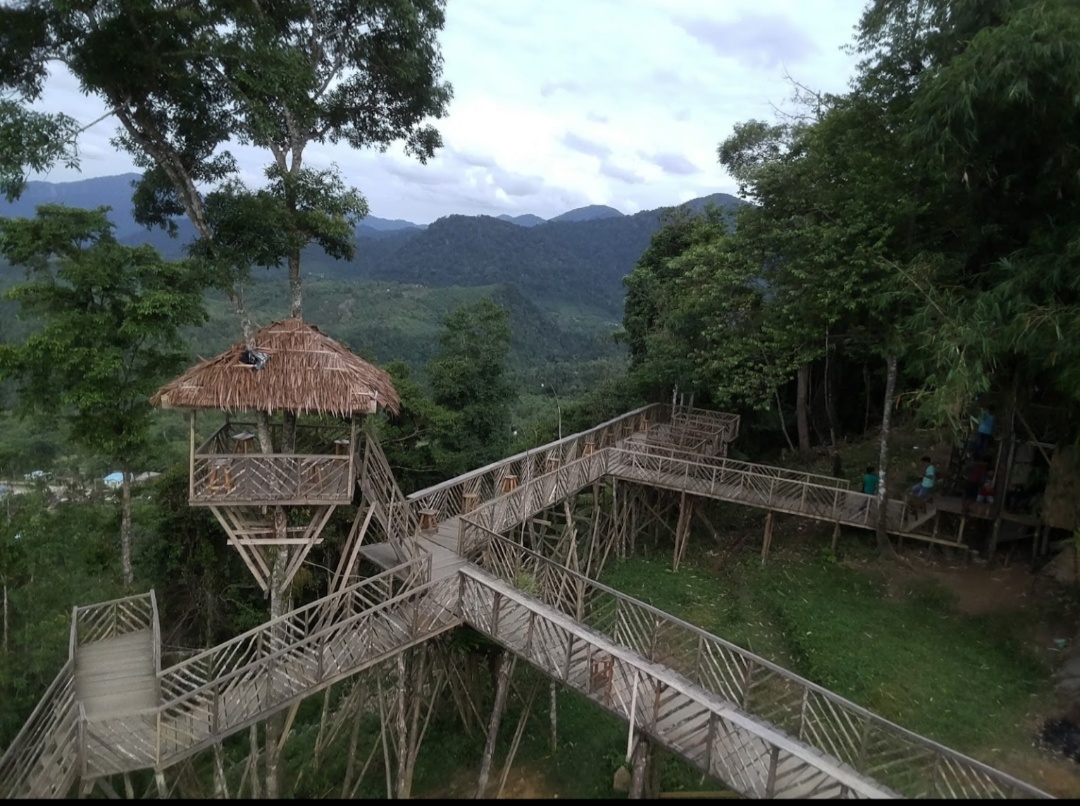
x=922 y=490
x=870 y=481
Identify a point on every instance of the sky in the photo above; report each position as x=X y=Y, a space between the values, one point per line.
x=560 y=104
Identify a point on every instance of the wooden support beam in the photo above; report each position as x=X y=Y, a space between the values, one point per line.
x=767 y=539
x=505 y=670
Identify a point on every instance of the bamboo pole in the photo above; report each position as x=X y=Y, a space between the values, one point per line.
x=767 y=540
x=496 y=719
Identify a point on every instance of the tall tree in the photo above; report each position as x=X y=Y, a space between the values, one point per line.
x=279 y=76
x=468 y=377
x=111 y=319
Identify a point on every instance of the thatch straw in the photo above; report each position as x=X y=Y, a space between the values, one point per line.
x=306 y=371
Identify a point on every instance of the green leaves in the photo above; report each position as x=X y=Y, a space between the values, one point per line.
x=111 y=327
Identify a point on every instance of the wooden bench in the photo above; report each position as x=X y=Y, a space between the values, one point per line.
x=429 y=518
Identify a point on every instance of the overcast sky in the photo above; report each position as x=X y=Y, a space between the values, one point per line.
x=564 y=103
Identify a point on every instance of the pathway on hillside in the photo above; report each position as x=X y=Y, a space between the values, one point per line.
x=711 y=713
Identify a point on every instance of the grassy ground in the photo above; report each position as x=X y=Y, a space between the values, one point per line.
x=892 y=637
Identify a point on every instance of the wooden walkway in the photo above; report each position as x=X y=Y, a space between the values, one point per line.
x=748 y=754
x=766 y=487
x=116 y=676
x=124 y=723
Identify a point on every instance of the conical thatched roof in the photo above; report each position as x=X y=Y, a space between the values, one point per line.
x=305 y=371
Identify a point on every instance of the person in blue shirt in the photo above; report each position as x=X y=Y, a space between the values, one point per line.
x=984 y=435
x=921 y=491
x=870 y=481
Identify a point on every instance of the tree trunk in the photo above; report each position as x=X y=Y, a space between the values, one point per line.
x=554 y=698
x=279 y=605
x=830 y=403
x=253 y=739
x=125 y=527
x=639 y=760
x=783 y=424
x=882 y=531
x=288 y=432
x=296 y=298
x=5 y=617
x=493 y=727
x=802 y=394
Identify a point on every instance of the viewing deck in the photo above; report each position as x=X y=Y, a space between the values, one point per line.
x=229 y=468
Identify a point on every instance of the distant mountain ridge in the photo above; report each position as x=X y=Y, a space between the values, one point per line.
x=582 y=254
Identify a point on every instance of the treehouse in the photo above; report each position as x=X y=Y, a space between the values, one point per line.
x=288 y=452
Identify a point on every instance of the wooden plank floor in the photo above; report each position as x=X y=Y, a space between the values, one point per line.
x=116 y=676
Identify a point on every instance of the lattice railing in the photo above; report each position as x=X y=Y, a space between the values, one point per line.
x=900 y=759
x=96 y=622
x=392 y=510
x=537 y=494
x=41 y=761
x=270 y=479
x=224 y=689
x=465 y=493
x=757 y=485
x=751 y=757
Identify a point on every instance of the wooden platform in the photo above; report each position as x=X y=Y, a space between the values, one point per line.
x=954 y=504
x=116 y=676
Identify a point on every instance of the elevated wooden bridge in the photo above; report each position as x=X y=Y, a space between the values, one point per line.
x=450 y=558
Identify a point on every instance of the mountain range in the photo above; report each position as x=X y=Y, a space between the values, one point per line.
x=582 y=254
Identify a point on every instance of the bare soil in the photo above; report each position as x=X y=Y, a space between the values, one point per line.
x=979 y=590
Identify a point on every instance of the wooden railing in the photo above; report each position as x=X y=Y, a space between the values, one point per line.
x=536 y=495
x=222 y=690
x=750 y=756
x=320 y=470
x=902 y=760
x=96 y=622
x=643 y=448
x=770 y=488
x=466 y=492
x=270 y=479
x=391 y=509
x=41 y=762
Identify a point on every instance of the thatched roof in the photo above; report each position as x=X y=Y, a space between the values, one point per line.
x=305 y=371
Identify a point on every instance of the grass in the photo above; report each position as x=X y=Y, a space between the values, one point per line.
x=967 y=682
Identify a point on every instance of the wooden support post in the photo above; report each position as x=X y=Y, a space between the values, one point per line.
x=221 y=787
x=554 y=717
x=835 y=535
x=639 y=762
x=767 y=540
x=493 y=728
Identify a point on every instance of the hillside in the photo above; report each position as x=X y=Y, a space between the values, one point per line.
x=580 y=256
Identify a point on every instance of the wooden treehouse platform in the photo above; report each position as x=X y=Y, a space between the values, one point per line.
x=229 y=468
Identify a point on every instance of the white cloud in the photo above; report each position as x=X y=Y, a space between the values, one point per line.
x=562 y=103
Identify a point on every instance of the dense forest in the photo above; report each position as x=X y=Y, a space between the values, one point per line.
x=905 y=250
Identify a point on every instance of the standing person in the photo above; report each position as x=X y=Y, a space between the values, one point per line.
x=984 y=435
x=870 y=481
x=923 y=489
